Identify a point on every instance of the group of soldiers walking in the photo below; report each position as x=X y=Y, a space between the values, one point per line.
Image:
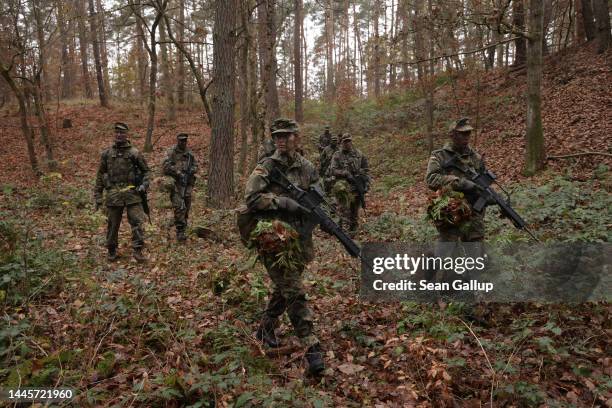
x=123 y=179
x=343 y=173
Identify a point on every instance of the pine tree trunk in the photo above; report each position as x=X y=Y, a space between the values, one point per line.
x=66 y=83
x=297 y=62
x=103 y=51
x=166 y=78
x=83 y=45
x=180 y=59
x=376 y=51
x=152 y=50
x=221 y=162
x=42 y=46
x=256 y=122
x=429 y=100
x=329 y=41
x=142 y=64
x=535 y=156
x=244 y=86
x=96 y=50
x=267 y=50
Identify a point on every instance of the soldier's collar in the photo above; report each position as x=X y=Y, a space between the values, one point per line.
x=123 y=145
x=449 y=147
x=283 y=159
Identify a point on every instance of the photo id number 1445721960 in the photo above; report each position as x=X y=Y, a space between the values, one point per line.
x=35 y=394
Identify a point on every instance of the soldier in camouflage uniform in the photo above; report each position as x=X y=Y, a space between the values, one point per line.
x=440 y=177
x=347 y=164
x=267 y=200
x=325 y=161
x=451 y=238
x=324 y=139
x=181 y=165
x=123 y=173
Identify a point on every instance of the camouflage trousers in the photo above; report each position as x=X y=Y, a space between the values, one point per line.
x=455 y=244
x=349 y=215
x=136 y=217
x=181 y=215
x=288 y=295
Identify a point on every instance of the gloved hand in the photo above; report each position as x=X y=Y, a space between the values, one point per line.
x=466 y=185
x=491 y=201
x=288 y=204
x=141 y=188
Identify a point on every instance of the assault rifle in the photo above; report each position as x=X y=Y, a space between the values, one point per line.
x=487 y=194
x=184 y=179
x=143 y=194
x=311 y=200
x=360 y=183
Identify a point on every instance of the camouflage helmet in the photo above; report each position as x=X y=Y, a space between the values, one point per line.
x=346 y=136
x=460 y=125
x=121 y=127
x=282 y=125
x=335 y=138
x=182 y=136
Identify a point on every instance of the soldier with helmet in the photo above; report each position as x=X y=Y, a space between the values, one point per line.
x=324 y=139
x=123 y=175
x=325 y=160
x=181 y=165
x=440 y=176
x=349 y=173
x=269 y=202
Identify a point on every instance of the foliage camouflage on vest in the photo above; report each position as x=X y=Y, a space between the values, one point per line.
x=438 y=178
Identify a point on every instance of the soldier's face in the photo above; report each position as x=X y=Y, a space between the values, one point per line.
x=346 y=145
x=461 y=139
x=182 y=144
x=285 y=142
x=120 y=136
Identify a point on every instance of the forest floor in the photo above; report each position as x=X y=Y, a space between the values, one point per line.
x=178 y=330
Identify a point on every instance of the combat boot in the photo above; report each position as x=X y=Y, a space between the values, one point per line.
x=181 y=236
x=139 y=256
x=314 y=356
x=265 y=334
x=112 y=255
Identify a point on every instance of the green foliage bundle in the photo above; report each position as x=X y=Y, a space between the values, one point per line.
x=448 y=208
x=277 y=243
x=343 y=194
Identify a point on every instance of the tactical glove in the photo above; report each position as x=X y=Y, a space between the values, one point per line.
x=466 y=185
x=289 y=204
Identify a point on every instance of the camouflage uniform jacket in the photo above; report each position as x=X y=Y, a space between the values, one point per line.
x=117 y=174
x=176 y=161
x=261 y=195
x=439 y=177
x=326 y=157
x=353 y=161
